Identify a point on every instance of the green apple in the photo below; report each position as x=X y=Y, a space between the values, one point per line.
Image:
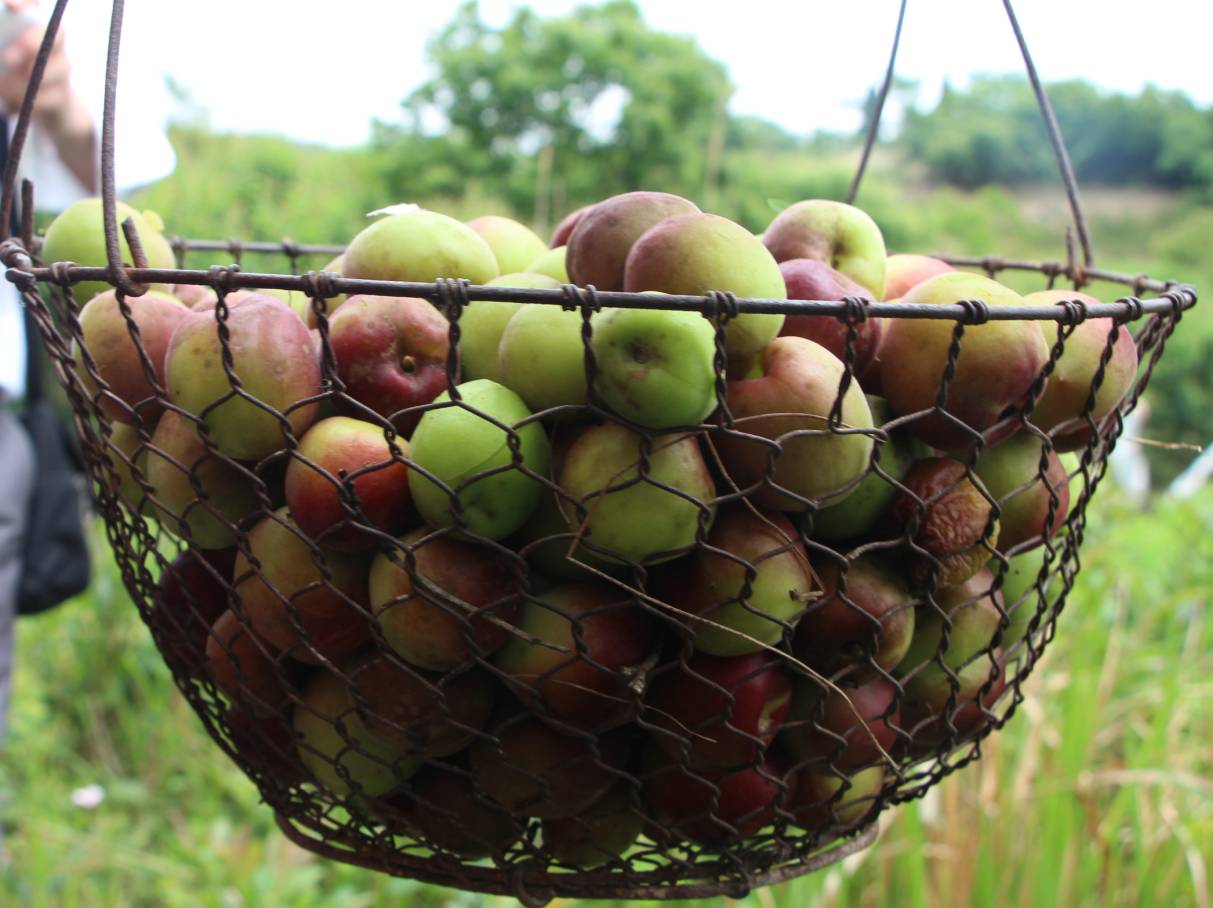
x=514 y=245
x=421 y=246
x=457 y=445
x=483 y=322
x=542 y=358
x=552 y=264
x=656 y=367
x=841 y=235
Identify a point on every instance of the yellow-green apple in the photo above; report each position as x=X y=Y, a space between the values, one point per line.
x=845 y=726
x=903 y=272
x=343 y=473
x=862 y=623
x=714 y=807
x=189 y=597
x=274 y=359
x=420 y=712
x=469 y=475
x=339 y=751
x=77 y=235
x=782 y=446
x=656 y=368
x=625 y=514
x=718 y=712
x=581 y=655
x=549 y=546
x=824 y=800
x=551 y=263
x=949 y=713
x=419 y=246
x=1062 y=407
x=443 y=804
x=564 y=230
x=128 y=383
x=198 y=493
x=861 y=512
x=483 y=322
x=745 y=588
x=973 y=611
x=603 y=237
x=541 y=357
x=442 y=601
x=309 y=603
x=1020 y=591
x=813 y=279
x=514 y=245
x=994 y=371
x=246 y=668
x=532 y=769
x=391 y=354
x=843 y=236
x=1026 y=494
x=126 y=452
x=691 y=254
x=600 y=833
x=947 y=520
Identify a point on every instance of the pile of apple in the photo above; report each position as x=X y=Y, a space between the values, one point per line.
x=538 y=583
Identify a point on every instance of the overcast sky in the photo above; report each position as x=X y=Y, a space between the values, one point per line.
x=320 y=71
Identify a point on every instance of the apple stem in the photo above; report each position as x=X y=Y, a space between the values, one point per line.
x=408 y=364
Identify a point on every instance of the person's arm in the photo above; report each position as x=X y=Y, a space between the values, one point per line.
x=58 y=109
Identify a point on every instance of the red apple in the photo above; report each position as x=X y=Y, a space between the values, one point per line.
x=844 y=727
x=191 y=595
x=246 y=669
x=902 y=273
x=812 y=279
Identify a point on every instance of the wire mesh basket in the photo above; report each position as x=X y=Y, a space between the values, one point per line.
x=576 y=650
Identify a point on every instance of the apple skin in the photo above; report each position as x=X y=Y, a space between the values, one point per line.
x=714 y=808
x=974 y=610
x=604 y=236
x=625 y=519
x=904 y=272
x=953 y=522
x=514 y=245
x=330 y=451
x=860 y=512
x=126 y=450
x=77 y=234
x=586 y=663
x=466 y=586
x=195 y=294
x=812 y=279
x=208 y=515
x=548 y=545
x=457 y=444
x=274 y=358
x=483 y=322
x=191 y=594
x=267 y=742
x=418 y=712
x=927 y=719
x=995 y=370
x=691 y=254
x=1065 y=396
x=817 y=805
x=860 y=628
x=533 y=769
x=711 y=583
x=245 y=668
x=541 y=357
x=564 y=230
x=331 y=612
x=656 y=368
x=600 y=834
x=1019 y=591
x=845 y=728
x=841 y=235
x=391 y=354
x=443 y=804
x=337 y=748
x=690 y=714
x=107 y=337
x=552 y=264
x=801 y=378
x=1011 y=474
x=419 y=246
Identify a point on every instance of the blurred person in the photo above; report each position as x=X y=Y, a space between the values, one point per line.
x=61 y=158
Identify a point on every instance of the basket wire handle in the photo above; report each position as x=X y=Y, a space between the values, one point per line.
x=1046 y=113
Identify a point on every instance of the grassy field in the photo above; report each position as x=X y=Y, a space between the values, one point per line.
x=1099 y=792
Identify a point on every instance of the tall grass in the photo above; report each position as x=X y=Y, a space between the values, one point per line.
x=1099 y=792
